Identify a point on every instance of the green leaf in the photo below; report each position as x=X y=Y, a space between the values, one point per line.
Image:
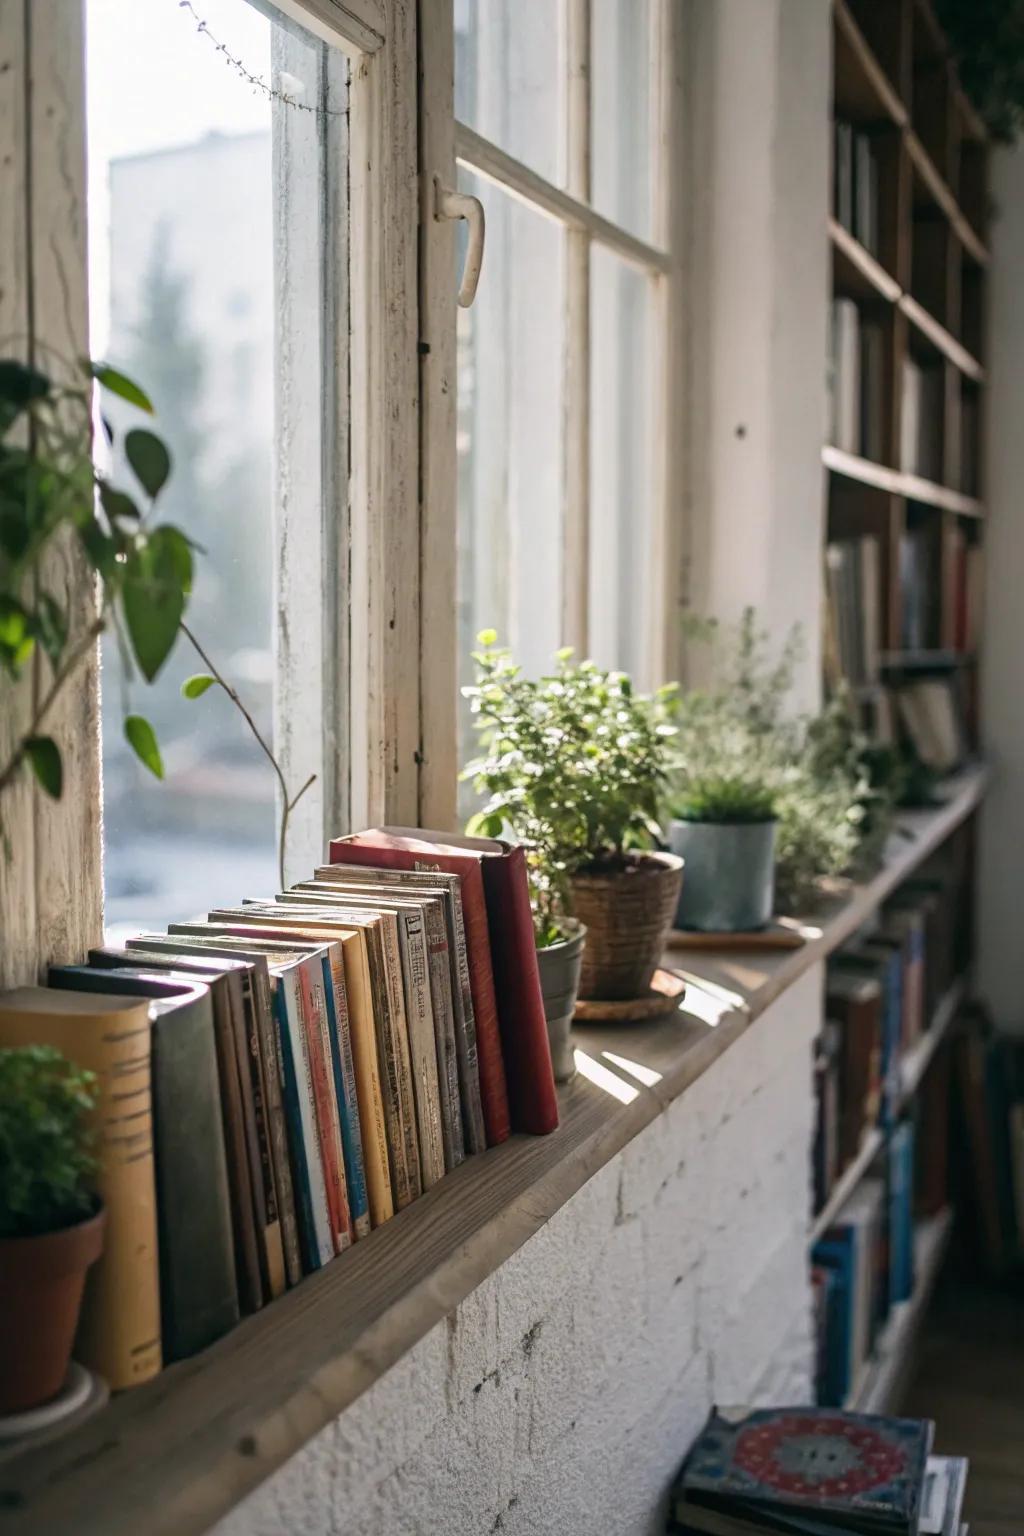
x=44 y=758
x=119 y=384
x=13 y=622
x=19 y=387
x=142 y=739
x=195 y=686
x=102 y=551
x=156 y=586
x=487 y=637
x=148 y=456
x=117 y=504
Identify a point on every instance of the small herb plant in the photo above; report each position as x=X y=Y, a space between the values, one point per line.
x=141 y=569
x=726 y=768
x=47 y=1167
x=813 y=773
x=574 y=765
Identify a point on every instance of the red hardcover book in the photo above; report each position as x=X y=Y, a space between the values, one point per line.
x=516 y=1079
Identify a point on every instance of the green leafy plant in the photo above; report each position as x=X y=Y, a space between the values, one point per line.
x=987 y=40
x=574 y=765
x=740 y=725
x=47 y=1168
x=141 y=569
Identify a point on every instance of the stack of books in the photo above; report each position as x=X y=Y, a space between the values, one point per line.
x=812 y=1472
x=320 y=1059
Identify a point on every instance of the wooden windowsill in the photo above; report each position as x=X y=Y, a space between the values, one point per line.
x=176 y=1455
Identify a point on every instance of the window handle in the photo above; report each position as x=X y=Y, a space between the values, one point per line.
x=459 y=205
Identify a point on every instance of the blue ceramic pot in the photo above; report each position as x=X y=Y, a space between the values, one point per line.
x=729 y=886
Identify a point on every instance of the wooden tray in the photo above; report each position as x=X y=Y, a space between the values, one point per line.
x=779 y=935
x=666 y=992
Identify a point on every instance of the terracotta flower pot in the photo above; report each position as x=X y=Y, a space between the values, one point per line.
x=41 y=1284
x=627 y=912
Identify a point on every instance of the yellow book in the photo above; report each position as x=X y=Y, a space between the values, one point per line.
x=119 y=1332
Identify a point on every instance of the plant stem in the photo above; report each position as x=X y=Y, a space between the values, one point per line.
x=288 y=803
x=61 y=676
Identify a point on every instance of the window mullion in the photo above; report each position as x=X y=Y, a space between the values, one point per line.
x=666 y=569
x=576 y=533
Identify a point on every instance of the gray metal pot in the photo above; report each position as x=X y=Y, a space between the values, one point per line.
x=730 y=874
x=559 y=966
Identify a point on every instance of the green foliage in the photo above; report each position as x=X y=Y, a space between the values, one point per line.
x=987 y=39
x=46 y=1164
x=49 y=490
x=195 y=686
x=725 y=797
x=574 y=764
x=813 y=771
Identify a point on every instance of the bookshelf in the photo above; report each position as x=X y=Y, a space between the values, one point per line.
x=904 y=535
x=907 y=379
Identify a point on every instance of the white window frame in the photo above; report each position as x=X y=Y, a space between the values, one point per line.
x=443 y=143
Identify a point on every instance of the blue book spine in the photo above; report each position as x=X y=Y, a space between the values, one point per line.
x=837 y=1254
x=296 y=1144
x=348 y=1104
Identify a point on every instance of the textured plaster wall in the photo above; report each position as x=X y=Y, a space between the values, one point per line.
x=560 y=1396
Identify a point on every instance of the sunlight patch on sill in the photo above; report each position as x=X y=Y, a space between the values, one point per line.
x=602 y=1077
x=645 y=1075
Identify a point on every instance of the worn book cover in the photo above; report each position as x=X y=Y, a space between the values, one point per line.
x=198 y=1291
x=119 y=1332
x=858 y=1468
x=429 y=908
x=240 y=984
x=313 y=1018
x=374 y=849
x=449 y=889
x=386 y=996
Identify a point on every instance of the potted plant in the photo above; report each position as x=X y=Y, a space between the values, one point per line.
x=51 y=1222
x=574 y=765
x=723 y=827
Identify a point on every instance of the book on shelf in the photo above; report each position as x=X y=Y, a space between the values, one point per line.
x=901 y=1213
x=843 y=377
x=854 y=1003
x=119 y=1331
x=827 y=1094
x=872 y=390
x=811 y=1471
x=989 y=1087
x=865 y=192
x=494 y=889
x=920 y=589
x=930 y=714
x=854 y=590
x=842 y=174
x=198 y=1287
x=965 y=583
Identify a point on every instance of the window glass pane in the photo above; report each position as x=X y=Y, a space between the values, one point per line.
x=621 y=512
x=510 y=442
x=621 y=105
x=189 y=281
x=509 y=74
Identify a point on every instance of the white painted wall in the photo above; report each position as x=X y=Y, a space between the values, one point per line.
x=1001 y=866
x=757 y=302
x=562 y=1394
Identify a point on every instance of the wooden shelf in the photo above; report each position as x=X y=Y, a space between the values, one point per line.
x=174 y=1456
x=851 y=1176
x=898 y=483
x=912 y=1070
x=941 y=195
x=863 y=274
x=917 y=1061
x=877 y=1391
x=941 y=339
x=862 y=85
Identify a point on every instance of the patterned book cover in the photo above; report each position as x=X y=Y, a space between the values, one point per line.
x=850 y=1467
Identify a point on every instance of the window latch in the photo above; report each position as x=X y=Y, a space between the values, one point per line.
x=459 y=205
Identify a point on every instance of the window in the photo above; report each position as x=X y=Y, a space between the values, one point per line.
x=212 y=283
x=561 y=112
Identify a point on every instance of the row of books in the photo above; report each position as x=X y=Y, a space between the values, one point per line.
x=862 y=1267
x=854 y=606
x=882 y=994
x=855 y=184
x=318 y=1061
x=817 y=1472
x=855 y=381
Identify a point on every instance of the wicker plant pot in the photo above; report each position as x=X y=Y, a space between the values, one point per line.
x=627 y=913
